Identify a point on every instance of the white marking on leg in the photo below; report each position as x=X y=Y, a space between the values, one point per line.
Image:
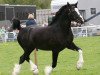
x=80 y=60
x=34 y=68
x=16 y=69
x=48 y=70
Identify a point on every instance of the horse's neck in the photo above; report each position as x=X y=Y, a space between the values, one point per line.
x=64 y=23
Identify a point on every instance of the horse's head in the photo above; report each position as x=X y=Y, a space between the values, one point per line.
x=73 y=13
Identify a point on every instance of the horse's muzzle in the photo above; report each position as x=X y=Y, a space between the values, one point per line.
x=80 y=21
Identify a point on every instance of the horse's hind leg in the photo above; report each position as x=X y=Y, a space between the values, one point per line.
x=24 y=57
x=49 y=69
x=17 y=67
x=32 y=65
x=34 y=68
x=80 y=60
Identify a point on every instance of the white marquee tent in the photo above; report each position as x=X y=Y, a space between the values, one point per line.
x=56 y=4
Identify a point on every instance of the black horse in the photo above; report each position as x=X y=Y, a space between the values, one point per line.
x=55 y=37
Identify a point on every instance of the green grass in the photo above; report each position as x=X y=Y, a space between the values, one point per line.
x=11 y=51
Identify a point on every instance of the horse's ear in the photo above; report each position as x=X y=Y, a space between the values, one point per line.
x=76 y=4
x=68 y=4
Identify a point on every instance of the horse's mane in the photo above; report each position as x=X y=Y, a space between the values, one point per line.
x=58 y=14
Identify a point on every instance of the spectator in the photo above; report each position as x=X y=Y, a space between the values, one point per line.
x=31 y=21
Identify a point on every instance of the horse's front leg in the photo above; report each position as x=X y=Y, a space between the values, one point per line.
x=48 y=69
x=80 y=60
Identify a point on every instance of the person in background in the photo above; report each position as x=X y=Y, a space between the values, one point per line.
x=31 y=21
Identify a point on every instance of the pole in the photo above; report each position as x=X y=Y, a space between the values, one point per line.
x=35 y=57
x=35 y=72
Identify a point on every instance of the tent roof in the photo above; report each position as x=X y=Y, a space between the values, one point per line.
x=63 y=2
x=56 y=4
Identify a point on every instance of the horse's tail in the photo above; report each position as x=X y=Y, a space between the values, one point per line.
x=16 y=24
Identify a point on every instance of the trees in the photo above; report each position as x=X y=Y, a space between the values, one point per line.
x=44 y=3
x=41 y=4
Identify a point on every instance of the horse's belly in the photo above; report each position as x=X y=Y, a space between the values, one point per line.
x=47 y=47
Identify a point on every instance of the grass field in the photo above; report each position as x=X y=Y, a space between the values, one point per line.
x=11 y=51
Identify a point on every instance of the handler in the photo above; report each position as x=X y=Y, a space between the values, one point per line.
x=31 y=20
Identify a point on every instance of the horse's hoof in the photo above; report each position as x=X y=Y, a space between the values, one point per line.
x=36 y=71
x=79 y=65
x=48 y=70
x=16 y=69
